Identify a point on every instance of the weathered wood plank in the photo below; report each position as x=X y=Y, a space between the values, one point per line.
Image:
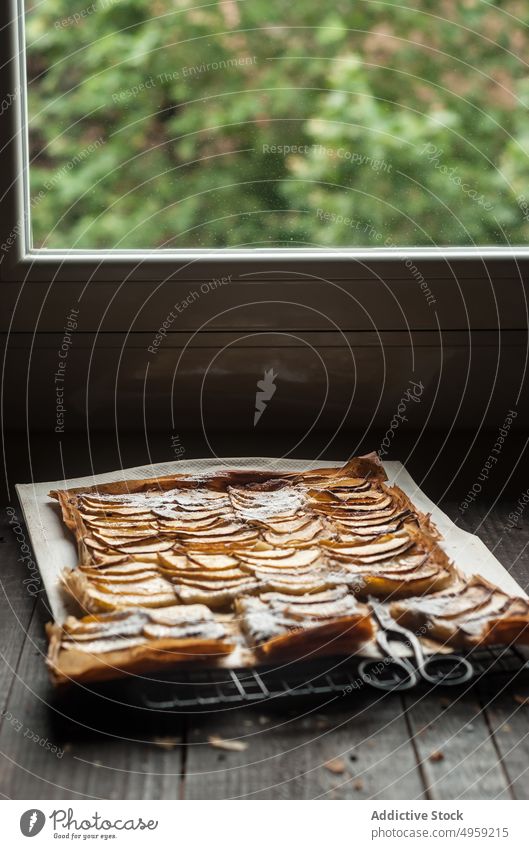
x=507 y=539
x=364 y=737
x=16 y=603
x=109 y=753
x=507 y=712
x=455 y=749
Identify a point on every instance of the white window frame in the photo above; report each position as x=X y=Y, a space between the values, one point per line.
x=22 y=265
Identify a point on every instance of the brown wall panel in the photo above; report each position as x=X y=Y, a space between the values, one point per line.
x=292 y=303
x=210 y=381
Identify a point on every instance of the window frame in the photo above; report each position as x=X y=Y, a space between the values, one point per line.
x=23 y=265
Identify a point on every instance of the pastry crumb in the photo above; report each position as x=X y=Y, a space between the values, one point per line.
x=335 y=765
x=228 y=745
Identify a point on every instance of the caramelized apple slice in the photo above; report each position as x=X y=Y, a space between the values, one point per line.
x=149 y=544
x=468 y=614
x=212 y=561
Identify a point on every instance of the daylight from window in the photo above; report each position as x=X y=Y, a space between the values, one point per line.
x=259 y=123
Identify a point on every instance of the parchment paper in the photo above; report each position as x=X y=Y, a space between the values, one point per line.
x=55 y=548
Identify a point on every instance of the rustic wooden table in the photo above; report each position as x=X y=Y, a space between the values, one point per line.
x=438 y=744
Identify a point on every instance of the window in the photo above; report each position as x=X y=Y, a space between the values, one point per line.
x=261 y=124
x=174 y=140
x=345 y=182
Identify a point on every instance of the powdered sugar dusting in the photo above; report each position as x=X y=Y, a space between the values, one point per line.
x=267 y=505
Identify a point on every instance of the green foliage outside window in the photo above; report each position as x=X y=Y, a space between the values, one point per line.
x=164 y=123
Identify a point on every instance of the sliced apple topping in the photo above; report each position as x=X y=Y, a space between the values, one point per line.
x=303 y=630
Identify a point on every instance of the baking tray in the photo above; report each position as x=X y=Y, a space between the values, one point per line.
x=305 y=681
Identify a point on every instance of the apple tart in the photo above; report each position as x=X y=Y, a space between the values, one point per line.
x=243 y=567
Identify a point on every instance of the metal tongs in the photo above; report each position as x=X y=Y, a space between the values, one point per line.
x=396 y=672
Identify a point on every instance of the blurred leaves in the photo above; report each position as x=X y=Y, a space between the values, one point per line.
x=404 y=125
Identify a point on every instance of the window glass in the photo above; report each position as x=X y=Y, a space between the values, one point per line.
x=260 y=123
